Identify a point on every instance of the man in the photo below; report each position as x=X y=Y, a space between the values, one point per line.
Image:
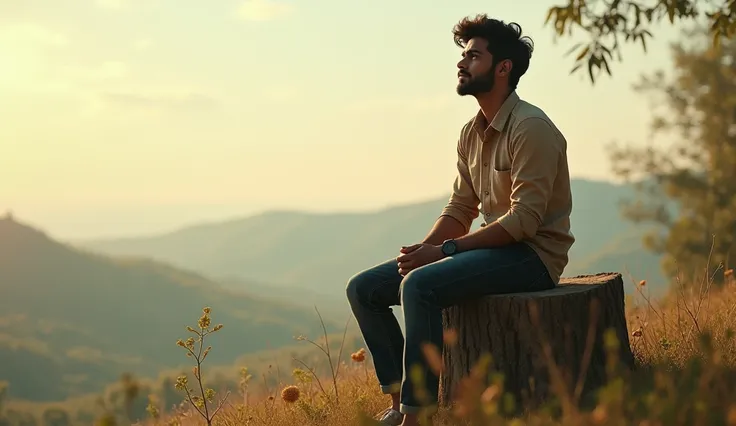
x=512 y=168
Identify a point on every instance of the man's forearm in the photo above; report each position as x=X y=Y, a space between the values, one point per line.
x=445 y=228
x=492 y=235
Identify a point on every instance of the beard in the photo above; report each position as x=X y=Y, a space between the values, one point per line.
x=476 y=85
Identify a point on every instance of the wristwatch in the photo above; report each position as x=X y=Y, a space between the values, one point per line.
x=449 y=247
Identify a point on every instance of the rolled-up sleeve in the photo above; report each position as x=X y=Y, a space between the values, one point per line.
x=463 y=203
x=536 y=150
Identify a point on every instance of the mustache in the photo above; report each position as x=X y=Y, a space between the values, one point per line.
x=463 y=74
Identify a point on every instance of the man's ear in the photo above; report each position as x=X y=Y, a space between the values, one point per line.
x=504 y=68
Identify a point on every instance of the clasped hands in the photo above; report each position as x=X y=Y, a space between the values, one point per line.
x=417 y=255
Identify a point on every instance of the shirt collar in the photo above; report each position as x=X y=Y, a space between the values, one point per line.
x=501 y=118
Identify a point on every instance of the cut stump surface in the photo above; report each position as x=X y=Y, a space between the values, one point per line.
x=514 y=329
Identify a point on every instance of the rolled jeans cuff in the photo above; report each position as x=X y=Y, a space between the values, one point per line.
x=392 y=388
x=408 y=409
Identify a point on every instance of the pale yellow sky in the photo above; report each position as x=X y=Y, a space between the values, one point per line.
x=139 y=115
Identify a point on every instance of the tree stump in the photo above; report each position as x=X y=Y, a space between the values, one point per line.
x=515 y=328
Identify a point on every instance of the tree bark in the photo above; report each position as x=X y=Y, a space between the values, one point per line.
x=523 y=331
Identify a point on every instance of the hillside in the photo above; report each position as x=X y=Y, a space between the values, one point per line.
x=72 y=321
x=320 y=252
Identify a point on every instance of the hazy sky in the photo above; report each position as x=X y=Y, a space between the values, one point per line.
x=137 y=115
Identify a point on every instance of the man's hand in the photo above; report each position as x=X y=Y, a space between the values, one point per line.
x=417 y=255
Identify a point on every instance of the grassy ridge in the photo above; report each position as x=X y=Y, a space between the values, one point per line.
x=686 y=375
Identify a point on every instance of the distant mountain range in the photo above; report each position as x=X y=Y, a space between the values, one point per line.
x=310 y=256
x=72 y=321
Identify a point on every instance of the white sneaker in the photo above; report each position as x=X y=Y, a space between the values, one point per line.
x=390 y=417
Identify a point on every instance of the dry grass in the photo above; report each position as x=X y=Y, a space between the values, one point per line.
x=669 y=331
x=685 y=351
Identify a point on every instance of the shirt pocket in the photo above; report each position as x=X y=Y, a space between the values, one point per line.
x=500 y=190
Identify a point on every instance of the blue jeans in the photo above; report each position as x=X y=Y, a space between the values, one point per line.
x=423 y=293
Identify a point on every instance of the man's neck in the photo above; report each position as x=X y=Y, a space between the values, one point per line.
x=491 y=102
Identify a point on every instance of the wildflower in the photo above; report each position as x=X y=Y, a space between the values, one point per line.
x=301 y=376
x=204 y=321
x=181 y=383
x=152 y=408
x=358 y=356
x=599 y=414
x=209 y=394
x=290 y=394
x=490 y=393
x=732 y=415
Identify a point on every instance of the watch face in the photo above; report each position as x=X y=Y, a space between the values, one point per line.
x=448 y=247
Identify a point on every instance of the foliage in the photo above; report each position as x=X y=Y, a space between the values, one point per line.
x=687 y=185
x=325 y=349
x=609 y=24
x=686 y=376
x=686 y=359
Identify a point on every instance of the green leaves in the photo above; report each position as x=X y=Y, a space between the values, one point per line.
x=610 y=25
x=686 y=181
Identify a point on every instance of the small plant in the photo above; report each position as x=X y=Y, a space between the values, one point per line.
x=204 y=401
x=334 y=364
x=245 y=377
x=152 y=408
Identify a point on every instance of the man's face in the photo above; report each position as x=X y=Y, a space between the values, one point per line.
x=475 y=75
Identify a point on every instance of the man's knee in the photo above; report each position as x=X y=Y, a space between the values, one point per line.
x=416 y=284
x=359 y=287
x=377 y=286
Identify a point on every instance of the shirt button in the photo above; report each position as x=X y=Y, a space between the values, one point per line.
x=485 y=164
x=487 y=192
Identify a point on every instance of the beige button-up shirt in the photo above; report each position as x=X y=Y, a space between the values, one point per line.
x=515 y=172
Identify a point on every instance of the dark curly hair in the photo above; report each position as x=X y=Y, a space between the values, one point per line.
x=504 y=42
